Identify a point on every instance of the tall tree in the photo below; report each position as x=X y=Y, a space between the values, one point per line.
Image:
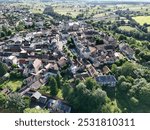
x=16 y=103
x=91 y=84
x=53 y=86
x=3 y=99
x=85 y=100
x=58 y=80
x=3 y=69
x=67 y=91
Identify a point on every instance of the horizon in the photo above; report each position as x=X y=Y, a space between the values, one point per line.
x=87 y=0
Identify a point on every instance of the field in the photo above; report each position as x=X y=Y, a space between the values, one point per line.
x=148 y=29
x=127 y=28
x=68 y=10
x=142 y=19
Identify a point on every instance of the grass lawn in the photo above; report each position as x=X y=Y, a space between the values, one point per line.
x=142 y=19
x=148 y=29
x=12 y=84
x=45 y=90
x=127 y=28
x=59 y=94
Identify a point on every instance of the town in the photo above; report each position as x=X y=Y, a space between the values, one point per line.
x=64 y=65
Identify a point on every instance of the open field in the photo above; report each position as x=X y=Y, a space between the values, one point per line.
x=68 y=10
x=127 y=28
x=142 y=19
x=99 y=15
x=148 y=29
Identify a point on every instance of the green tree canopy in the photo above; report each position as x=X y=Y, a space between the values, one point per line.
x=16 y=103
x=3 y=69
x=3 y=99
x=35 y=110
x=53 y=86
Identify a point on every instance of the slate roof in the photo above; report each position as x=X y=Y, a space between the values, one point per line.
x=106 y=78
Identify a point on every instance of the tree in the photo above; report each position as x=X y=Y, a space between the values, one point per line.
x=27 y=101
x=110 y=107
x=66 y=91
x=58 y=80
x=125 y=86
x=20 y=26
x=98 y=100
x=91 y=84
x=98 y=40
x=134 y=102
x=3 y=99
x=145 y=94
x=35 y=110
x=53 y=86
x=49 y=10
x=9 y=32
x=2 y=34
x=122 y=37
x=85 y=100
x=114 y=69
x=127 y=69
x=3 y=69
x=16 y=103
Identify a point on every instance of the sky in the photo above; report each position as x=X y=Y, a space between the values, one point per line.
x=122 y=0
x=116 y=0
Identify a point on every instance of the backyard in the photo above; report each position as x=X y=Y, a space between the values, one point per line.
x=12 y=84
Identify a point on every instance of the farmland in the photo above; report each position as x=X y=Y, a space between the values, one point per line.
x=142 y=19
x=127 y=28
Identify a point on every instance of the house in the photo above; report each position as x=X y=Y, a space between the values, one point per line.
x=36 y=85
x=64 y=34
x=52 y=68
x=62 y=62
x=73 y=69
x=108 y=80
x=23 y=54
x=37 y=97
x=12 y=60
x=88 y=51
x=30 y=80
x=38 y=34
x=39 y=24
x=126 y=50
x=37 y=64
x=72 y=26
x=105 y=70
x=28 y=23
x=82 y=76
x=90 y=33
x=57 y=106
x=14 y=47
x=91 y=70
x=6 y=91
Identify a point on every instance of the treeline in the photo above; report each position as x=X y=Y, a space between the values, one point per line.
x=133 y=87
x=85 y=96
x=50 y=11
